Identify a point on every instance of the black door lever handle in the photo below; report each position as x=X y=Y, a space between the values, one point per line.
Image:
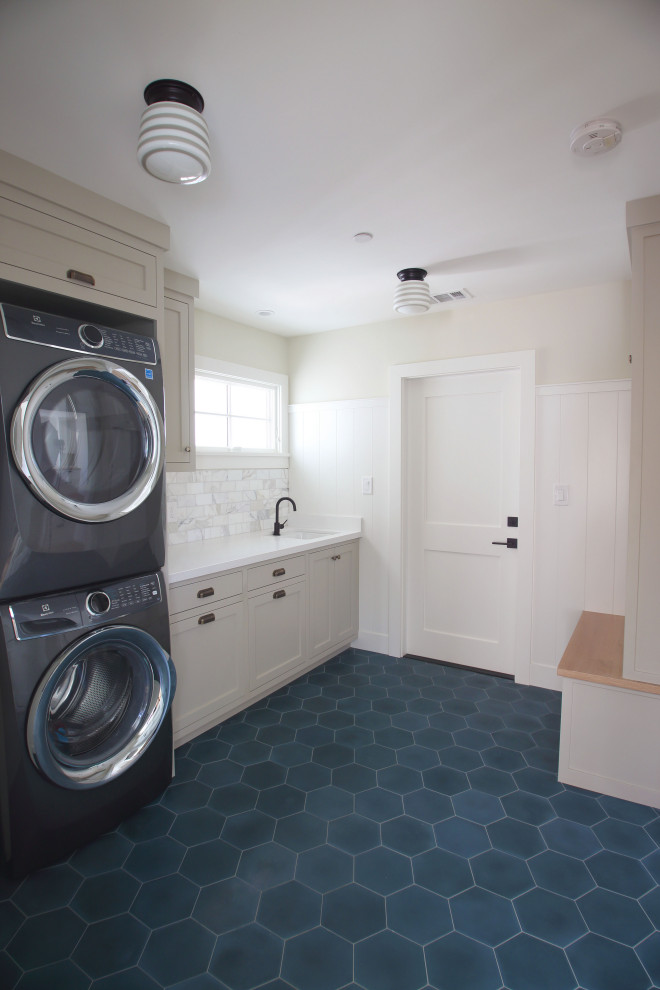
x=510 y=544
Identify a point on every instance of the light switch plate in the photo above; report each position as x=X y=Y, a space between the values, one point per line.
x=560 y=494
x=367 y=486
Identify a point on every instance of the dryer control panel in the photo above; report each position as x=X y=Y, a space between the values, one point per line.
x=62 y=613
x=75 y=335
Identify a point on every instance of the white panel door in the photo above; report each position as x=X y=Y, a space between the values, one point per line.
x=463 y=481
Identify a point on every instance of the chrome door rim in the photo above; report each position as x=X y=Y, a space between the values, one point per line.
x=103 y=771
x=21 y=429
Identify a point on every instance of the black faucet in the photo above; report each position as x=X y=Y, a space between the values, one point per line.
x=278 y=527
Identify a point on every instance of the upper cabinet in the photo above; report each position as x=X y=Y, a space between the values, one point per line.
x=62 y=238
x=58 y=237
x=641 y=658
x=177 y=348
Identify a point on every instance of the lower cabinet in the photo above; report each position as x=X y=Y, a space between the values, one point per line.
x=333 y=596
x=262 y=626
x=208 y=649
x=276 y=633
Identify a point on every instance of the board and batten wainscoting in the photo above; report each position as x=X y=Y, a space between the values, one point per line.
x=334 y=445
x=582 y=441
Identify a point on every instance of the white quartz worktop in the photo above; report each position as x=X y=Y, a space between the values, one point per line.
x=187 y=561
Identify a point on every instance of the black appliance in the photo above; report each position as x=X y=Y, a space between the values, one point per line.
x=86 y=685
x=82 y=450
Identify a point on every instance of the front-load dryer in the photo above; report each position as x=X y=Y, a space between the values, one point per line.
x=82 y=450
x=86 y=685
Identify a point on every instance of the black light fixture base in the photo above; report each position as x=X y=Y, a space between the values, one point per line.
x=412 y=274
x=173 y=91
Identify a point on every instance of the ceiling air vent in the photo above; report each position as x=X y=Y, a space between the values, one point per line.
x=445 y=297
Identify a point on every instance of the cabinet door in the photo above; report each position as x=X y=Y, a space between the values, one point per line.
x=31 y=241
x=208 y=650
x=176 y=346
x=321 y=588
x=276 y=632
x=345 y=620
x=333 y=597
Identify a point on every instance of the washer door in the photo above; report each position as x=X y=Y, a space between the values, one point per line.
x=89 y=440
x=98 y=706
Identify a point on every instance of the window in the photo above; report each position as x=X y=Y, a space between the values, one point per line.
x=238 y=410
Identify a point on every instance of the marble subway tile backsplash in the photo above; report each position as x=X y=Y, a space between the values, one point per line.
x=203 y=505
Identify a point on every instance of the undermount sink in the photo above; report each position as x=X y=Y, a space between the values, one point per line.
x=308 y=534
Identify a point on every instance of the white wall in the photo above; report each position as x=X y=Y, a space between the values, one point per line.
x=582 y=440
x=333 y=446
x=579 y=335
x=216 y=337
x=218 y=501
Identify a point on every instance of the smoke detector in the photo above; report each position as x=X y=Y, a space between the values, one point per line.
x=595 y=137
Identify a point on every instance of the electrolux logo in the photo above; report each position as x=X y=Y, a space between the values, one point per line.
x=37 y=319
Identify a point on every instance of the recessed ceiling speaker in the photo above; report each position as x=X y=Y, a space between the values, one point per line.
x=174 y=140
x=595 y=137
x=413 y=296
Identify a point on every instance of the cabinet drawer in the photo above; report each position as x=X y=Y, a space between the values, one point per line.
x=276 y=571
x=205 y=591
x=40 y=243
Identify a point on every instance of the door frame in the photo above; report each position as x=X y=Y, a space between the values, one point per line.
x=524 y=363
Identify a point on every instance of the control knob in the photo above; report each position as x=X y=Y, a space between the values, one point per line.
x=98 y=603
x=90 y=335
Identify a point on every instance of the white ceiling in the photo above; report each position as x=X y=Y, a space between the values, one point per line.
x=441 y=126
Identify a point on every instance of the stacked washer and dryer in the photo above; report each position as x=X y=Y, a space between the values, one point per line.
x=86 y=681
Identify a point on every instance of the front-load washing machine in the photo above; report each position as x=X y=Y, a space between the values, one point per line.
x=82 y=449
x=86 y=685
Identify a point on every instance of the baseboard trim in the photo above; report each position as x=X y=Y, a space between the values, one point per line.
x=371 y=642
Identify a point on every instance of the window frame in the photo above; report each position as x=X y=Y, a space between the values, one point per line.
x=210 y=457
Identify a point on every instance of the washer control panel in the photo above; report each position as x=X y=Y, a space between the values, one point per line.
x=76 y=335
x=72 y=610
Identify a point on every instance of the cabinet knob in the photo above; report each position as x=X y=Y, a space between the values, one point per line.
x=203 y=619
x=279 y=594
x=337 y=556
x=279 y=572
x=187 y=450
x=205 y=592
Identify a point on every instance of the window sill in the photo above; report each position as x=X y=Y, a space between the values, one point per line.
x=247 y=460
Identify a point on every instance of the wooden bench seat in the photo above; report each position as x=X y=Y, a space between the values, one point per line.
x=595 y=653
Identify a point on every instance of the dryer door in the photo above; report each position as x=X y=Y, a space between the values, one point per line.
x=89 y=440
x=98 y=706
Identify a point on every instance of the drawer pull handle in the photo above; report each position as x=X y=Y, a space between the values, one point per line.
x=205 y=592
x=279 y=572
x=279 y=594
x=337 y=556
x=80 y=277
x=203 y=619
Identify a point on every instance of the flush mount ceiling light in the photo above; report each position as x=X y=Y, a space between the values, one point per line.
x=413 y=296
x=174 y=139
x=595 y=137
